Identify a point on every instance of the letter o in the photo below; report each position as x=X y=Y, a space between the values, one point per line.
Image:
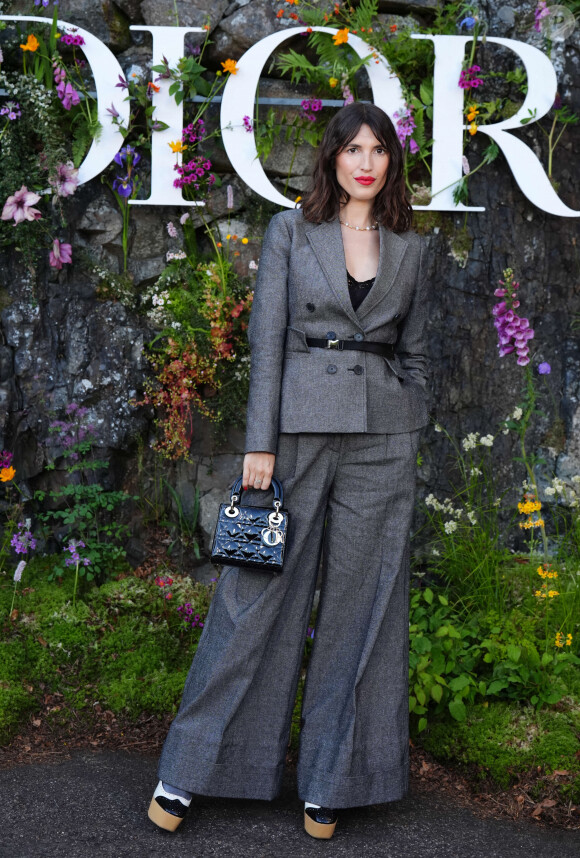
x=240 y=92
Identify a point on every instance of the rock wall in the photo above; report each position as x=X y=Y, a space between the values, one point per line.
x=60 y=343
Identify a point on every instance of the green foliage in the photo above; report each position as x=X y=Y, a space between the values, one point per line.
x=83 y=509
x=503 y=739
x=444 y=653
x=123 y=645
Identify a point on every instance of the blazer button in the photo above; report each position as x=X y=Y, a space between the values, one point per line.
x=359 y=337
x=358 y=370
x=331 y=335
x=310 y=307
x=331 y=368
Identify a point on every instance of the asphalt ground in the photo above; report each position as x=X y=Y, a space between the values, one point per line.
x=94 y=805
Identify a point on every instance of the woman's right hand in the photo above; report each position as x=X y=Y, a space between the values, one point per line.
x=258 y=470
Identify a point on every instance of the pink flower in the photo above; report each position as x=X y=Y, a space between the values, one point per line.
x=60 y=253
x=19 y=206
x=66 y=180
x=68 y=95
x=171 y=231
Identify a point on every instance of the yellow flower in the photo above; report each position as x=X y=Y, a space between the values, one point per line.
x=244 y=240
x=341 y=37
x=230 y=66
x=472 y=112
x=228 y=236
x=332 y=81
x=473 y=128
x=552 y=593
x=558 y=641
x=568 y=640
x=32 y=44
x=297 y=200
x=7 y=474
x=177 y=146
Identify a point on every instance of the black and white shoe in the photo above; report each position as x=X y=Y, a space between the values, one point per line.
x=320 y=822
x=167 y=810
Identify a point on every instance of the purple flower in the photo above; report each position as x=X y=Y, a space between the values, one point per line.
x=122 y=83
x=544 y=368
x=5 y=459
x=12 y=110
x=60 y=254
x=68 y=95
x=124 y=187
x=541 y=12
x=68 y=39
x=75 y=557
x=468 y=80
x=23 y=540
x=66 y=180
x=405 y=126
x=413 y=146
x=20 y=206
x=128 y=154
x=248 y=124
x=469 y=23
x=113 y=111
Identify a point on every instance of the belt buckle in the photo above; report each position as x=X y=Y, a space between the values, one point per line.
x=333 y=344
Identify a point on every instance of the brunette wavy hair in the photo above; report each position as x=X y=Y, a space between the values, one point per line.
x=324 y=197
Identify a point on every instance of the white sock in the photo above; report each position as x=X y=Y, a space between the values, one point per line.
x=310 y=804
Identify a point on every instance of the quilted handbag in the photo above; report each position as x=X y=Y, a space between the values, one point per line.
x=251 y=536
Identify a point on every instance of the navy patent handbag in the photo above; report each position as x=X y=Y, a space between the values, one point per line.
x=253 y=537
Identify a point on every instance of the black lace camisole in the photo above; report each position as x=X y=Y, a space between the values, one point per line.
x=358 y=290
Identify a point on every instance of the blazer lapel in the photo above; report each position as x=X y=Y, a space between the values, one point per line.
x=392 y=250
x=326 y=242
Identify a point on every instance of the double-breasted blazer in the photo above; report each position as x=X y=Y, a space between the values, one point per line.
x=301 y=291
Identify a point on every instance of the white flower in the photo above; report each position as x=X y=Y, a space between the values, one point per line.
x=252 y=265
x=435 y=552
x=470 y=442
x=497 y=502
x=550 y=490
x=438 y=427
x=19 y=570
x=450 y=526
x=471 y=517
x=487 y=441
x=505 y=431
x=476 y=472
x=517 y=415
x=575 y=478
x=184 y=218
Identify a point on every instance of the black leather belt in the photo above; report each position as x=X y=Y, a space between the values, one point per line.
x=383 y=349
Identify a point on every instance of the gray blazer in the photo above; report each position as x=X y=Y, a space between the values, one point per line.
x=301 y=291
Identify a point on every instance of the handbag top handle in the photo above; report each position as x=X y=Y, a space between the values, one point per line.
x=276 y=487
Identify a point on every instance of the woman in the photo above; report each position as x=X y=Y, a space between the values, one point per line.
x=337 y=401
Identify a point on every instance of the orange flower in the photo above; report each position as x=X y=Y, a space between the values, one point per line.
x=393 y=28
x=341 y=37
x=32 y=44
x=154 y=87
x=230 y=66
x=292 y=2
x=293 y=15
x=308 y=29
x=280 y=13
x=7 y=474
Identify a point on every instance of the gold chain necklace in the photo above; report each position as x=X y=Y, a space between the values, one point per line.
x=375 y=225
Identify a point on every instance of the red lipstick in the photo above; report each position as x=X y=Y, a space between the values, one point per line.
x=364 y=180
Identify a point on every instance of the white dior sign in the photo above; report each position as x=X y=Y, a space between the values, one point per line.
x=238 y=101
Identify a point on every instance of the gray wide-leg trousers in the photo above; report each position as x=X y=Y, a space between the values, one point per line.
x=230 y=735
